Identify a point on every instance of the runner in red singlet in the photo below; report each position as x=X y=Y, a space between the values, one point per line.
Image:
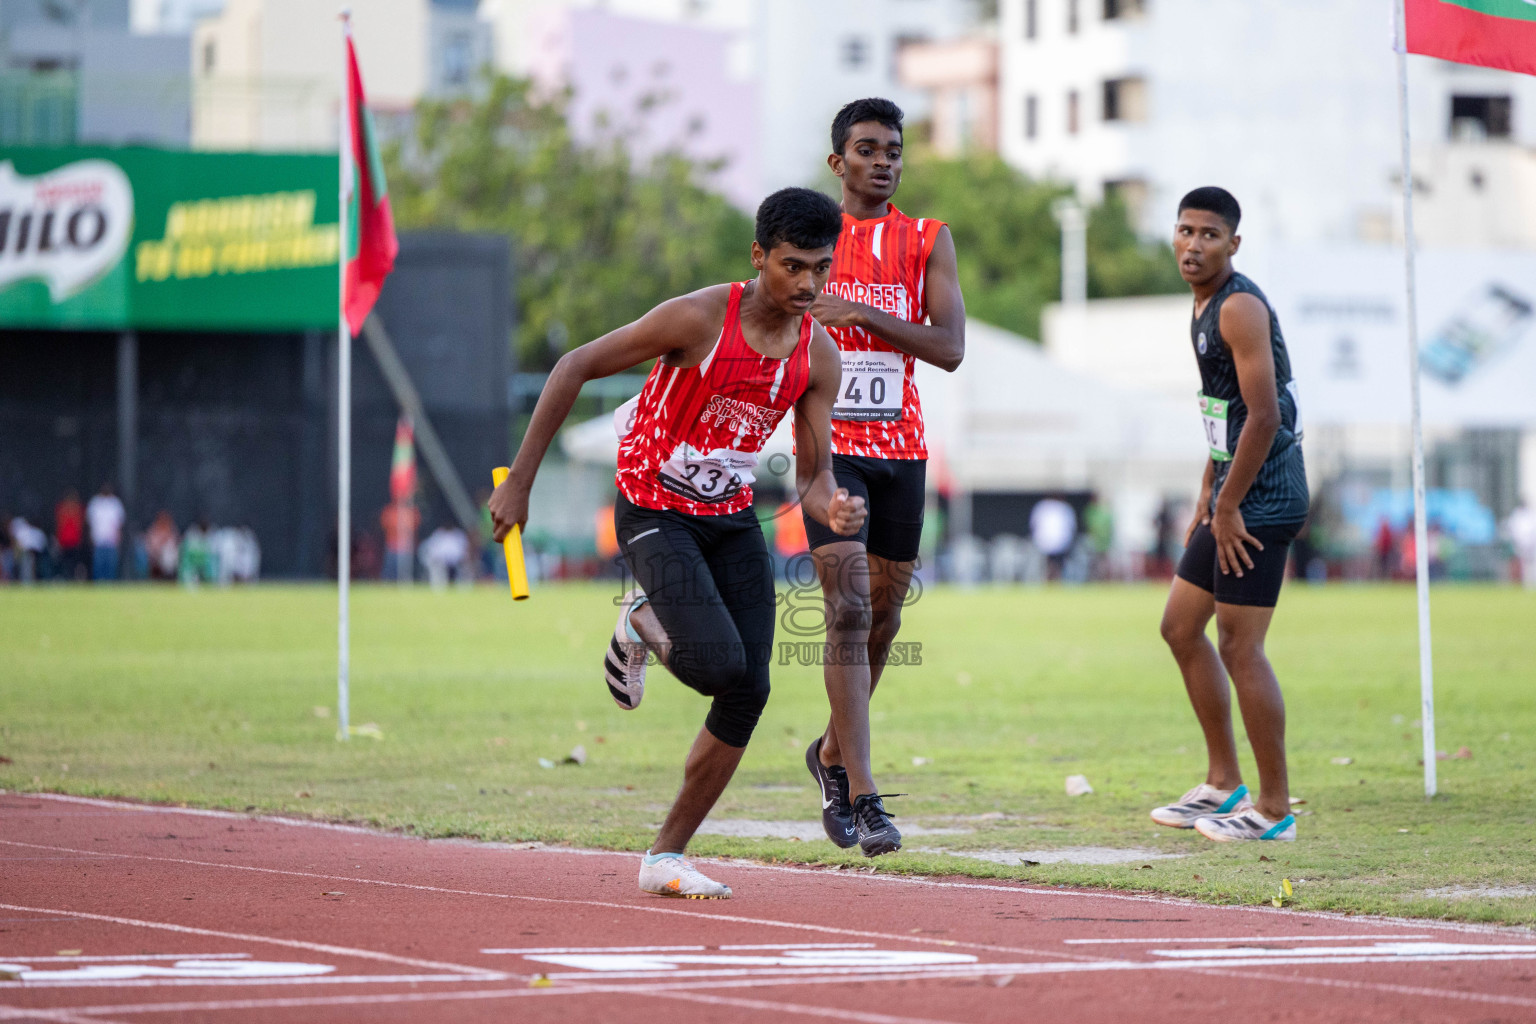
x=731 y=360
x=893 y=298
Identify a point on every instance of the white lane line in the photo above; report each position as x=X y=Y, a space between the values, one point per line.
x=313 y=979
x=529 y=950
x=57 y=1016
x=200 y=812
x=313 y=947
x=646 y=908
x=1383 y=987
x=1167 y=901
x=715 y=986
x=1244 y=938
x=82 y=958
x=89 y=1013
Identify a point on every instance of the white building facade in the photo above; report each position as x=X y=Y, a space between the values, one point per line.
x=266 y=74
x=1290 y=104
x=787 y=66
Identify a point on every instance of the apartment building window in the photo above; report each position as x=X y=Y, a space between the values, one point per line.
x=1114 y=10
x=458 y=56
x=1072 y=112
x=1072 y=16
x=1031 y=116
x=1031 y=18
x=1481 y=117
x=855 y=52
x=1125 y=99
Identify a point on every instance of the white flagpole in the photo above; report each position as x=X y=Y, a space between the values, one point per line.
x=1420 y=538
x=344 y=403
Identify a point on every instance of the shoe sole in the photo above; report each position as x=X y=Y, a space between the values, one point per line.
x=1243 y=839
x=613 y=668
x=1170 y=824
x=686 y=895
x=881 y=847
x=812 y=762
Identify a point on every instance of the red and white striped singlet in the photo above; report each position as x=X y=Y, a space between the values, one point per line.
x=881 y=263
x=689 y=440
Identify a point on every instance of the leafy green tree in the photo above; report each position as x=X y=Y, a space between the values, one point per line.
x=597 y=240
x=1009 y=244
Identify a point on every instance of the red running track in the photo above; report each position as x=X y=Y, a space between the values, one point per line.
x=119 y=912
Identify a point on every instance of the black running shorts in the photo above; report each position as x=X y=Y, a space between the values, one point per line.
x=893 y=490
x=710 y=580
x=1258 y=587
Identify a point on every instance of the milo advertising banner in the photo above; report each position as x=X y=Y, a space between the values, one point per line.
x=116 y=238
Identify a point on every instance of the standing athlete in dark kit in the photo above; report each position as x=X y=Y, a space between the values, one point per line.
x=1253 y=501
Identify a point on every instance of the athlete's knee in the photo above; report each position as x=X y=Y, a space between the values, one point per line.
x=1179 y=632
x=734 y=714
x=848 y=612
x=884 y=624
x=1239 y=650
x=712 y=667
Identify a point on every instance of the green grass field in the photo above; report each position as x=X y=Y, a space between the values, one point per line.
x=223 y=699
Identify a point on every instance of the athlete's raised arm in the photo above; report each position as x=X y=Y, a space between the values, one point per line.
x=820 y=496
x=941 y=341
x=1245 y=326
x=669 y=332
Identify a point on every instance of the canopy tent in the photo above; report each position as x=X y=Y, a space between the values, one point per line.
x=1011 y=420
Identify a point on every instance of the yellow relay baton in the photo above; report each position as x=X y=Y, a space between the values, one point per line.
x=512 y=544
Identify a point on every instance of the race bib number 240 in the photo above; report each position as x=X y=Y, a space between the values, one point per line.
x=871 y=389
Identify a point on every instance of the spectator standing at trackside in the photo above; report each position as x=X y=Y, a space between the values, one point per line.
x=445 y=555
x=399 y=521
x=69 y=531
x=105 y=515
x=1052 y=529
x=163 y=545
x=1520 y=528
x=29 y=546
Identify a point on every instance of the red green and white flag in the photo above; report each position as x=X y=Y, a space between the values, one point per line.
x=1489 y=33
x=402 y=465
x=371 y=243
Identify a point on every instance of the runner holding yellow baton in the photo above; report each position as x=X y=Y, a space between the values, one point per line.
x=517 y=571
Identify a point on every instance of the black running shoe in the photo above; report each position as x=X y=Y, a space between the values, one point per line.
x=873 y=825
x=836 y=811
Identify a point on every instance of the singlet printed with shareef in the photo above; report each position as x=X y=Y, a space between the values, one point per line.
x=690 y=440
x=1279 y=493
x=881 y=263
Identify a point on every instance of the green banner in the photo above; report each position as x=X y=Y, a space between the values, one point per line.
x=1522 y=10
x=113 y=238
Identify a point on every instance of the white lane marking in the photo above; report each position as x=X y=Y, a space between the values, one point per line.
x=201 y=970
x=1168 y=901
x=1242 y=938
x=525 y=950
x=715 y=986
x=1403 y=950
x=57 y=1016
x=88 y=1014
x=800 y=959
x=645 y=907
x=313 y=947
x=325 y=979
x=83 y=958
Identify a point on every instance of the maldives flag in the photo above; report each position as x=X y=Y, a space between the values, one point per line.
x=402 y=466
x=371 y=242
x=1490 y=33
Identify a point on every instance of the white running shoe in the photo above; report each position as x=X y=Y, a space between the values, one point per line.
x=676 y=876
x=624 y=661
x=1204 y=801
x=1250 y=824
